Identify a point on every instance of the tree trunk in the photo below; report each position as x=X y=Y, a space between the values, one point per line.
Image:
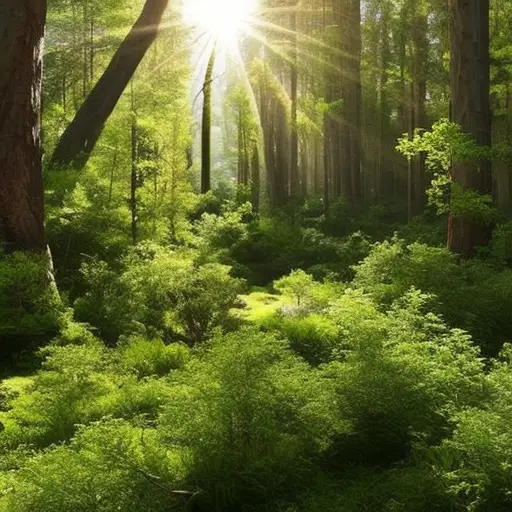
x=420 y=74
x=21 y=182
x=206 y=129
x=470 y=84
x=353 y=107
x=134 y=181
x=295 y=188
x=502 y=133
x=255 y=178
x=77 y=142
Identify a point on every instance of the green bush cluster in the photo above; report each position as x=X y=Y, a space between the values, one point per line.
x=472 y=295
x=30 y=307
x=347 y=408
x=157 y=292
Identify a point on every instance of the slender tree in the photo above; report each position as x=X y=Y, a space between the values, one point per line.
x=206 y=128
x=21 y=183
x=295 y=187
x=81 y=136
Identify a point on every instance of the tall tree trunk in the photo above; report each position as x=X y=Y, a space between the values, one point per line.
x=353 y=108
x=295 y=188
x=134 y=182
x=21 y=182
x=255 y=177
x=420 y=74
x=502 y=133
x=470 y=85
x=206 y=129
x=77 y=142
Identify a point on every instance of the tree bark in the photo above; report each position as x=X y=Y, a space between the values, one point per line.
x=470 y=85
x=420 y=74
x=79 y=139
x=295 y=187
x=21 y=183
x=206 y=129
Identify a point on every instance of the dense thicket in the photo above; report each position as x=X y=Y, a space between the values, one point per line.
x=283 y=256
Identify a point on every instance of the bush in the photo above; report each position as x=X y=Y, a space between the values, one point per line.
x=68 y=390
x=250 y=419
x=414 y=489
x=111 y=465
x=314 y=337
x=30 y=307
x=152 y=357
x=476 y=462
x=158 y=293
x=297 y=285
x=401 y=385
x=472 y=295
x=274 y=247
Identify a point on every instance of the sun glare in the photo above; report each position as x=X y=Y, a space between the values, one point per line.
x=225 y=20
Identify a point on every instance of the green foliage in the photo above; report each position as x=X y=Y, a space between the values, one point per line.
x=223 y=231
x=152 y=357
x=501 y=245
x=159 y=292
x=67 y=391
x=476 y=461
x=314 y=337
x=297 y=285
x=402 y=384
x=249 y=417
x=444 y=146
x=416 y=489
x=472 y=295
x=29 y=303
x=108 y=466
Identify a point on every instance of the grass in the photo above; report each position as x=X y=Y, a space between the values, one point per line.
x=259 y=305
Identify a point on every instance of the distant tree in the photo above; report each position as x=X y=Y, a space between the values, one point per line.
x=81 y=136
x=206 y=128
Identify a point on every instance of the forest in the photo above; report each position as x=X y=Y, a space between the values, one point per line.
x=255 y=255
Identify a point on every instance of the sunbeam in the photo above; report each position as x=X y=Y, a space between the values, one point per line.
x=225 y=20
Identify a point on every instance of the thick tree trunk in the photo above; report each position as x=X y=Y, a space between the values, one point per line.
x=470 y=84
x=76 y=144
x=21 y=182
x=206 y=129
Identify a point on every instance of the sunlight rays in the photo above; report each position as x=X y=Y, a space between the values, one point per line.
x=225 y=20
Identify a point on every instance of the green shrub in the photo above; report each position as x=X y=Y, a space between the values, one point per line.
x=476 y=462
x=472 y=295
x=314 y=337
x=250 y=418
x=297 y=285
x=223 y=231
x=108 y=466
x=29 y=304
x=137 y=399
x=275 y=246
x=501 y=245
x=158 y=293
x=152 y=357
x=414 y=489
x=402 y=384
x=68 y=390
